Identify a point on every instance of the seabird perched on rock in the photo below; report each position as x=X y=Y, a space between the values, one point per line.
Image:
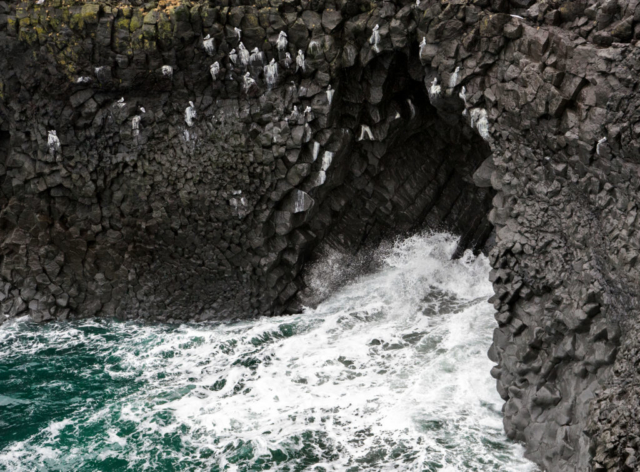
x=463 y=95
x=480 y=122
x=411 y=107
x=271 y=72
x=53 y=142
x=248 y=81
x=314 y=46
x=256 y=55
x=214 y=70
x=601 y=143
x=330 y=93
x=209 y=45
x=244 y=54
x=365 y=132
x=435 y=89
x=135 y=125
x=167 y=71
x=453 y=80
x=374 y=40
x=295 y=114
x=233 y=56
x=282 y=41
x=190 y=114
x=300 y=60
x=423 y=49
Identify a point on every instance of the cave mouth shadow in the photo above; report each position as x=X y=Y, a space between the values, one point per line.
x=414 y=175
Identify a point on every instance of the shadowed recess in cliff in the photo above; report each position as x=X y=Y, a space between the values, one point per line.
x=407 y=168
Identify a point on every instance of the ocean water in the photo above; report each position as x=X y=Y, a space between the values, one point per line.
x=389 y=373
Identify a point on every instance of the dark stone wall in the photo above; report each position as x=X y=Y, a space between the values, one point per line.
x=468 y=115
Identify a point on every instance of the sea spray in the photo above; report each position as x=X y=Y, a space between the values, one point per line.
x=388 y=373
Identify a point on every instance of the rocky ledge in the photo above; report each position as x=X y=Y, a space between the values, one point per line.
x=187 y=160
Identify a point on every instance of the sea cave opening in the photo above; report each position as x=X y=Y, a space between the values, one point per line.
x=409 y=168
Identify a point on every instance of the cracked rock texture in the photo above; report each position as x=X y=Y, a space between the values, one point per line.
x=184 y=160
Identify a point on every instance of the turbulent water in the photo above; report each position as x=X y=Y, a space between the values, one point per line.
x=390 y=373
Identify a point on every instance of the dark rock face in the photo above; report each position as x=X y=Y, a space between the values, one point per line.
x=184 y=162
x=191 y=173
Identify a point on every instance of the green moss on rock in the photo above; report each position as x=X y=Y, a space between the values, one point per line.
x=136 y=21
x=209 y=15
x=149 y=32
x=42 y=34
x=164 y=30
x=76 y=20
x=90 y=13
x=151 y=18
x=181 y=13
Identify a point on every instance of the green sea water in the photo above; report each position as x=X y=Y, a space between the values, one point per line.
x=390 y=373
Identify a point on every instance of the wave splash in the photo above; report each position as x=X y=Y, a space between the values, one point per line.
x=390 y=373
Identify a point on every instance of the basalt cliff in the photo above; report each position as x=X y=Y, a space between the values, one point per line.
x=188 y=160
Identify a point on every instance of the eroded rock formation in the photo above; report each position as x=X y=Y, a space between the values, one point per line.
x=184 y=161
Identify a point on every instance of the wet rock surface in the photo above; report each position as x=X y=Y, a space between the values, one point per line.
x=185 y=161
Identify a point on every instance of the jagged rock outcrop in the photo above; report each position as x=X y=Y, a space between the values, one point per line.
x=184 y=161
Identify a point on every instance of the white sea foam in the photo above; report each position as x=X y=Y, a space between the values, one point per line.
x=390 y=373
